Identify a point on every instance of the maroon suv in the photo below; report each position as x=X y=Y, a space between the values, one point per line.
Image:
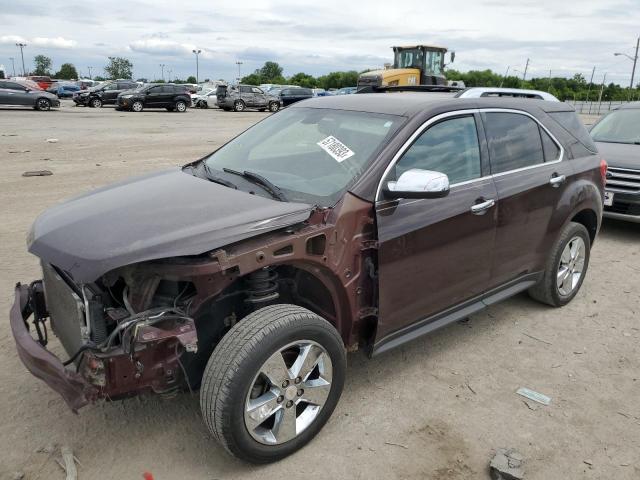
x=341 y=223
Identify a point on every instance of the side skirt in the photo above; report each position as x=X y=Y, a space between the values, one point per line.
x=453 y=314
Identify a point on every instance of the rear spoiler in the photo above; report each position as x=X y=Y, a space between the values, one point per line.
x=409 y=88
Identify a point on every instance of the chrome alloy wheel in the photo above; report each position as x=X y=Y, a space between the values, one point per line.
x=571 y=266
x=288 y=392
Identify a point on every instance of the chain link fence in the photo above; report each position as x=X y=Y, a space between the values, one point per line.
x=595 y=107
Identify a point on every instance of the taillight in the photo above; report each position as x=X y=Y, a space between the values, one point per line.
x=603 y=171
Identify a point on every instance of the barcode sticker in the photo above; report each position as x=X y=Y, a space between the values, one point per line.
x=334 y=147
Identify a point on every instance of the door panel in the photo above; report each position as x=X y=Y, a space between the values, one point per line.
x=433 y=254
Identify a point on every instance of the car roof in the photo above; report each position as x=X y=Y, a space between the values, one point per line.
x=410 y=104
x=476 y=92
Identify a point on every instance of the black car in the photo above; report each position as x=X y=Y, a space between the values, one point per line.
x=26 y=93
x=293 y=95
x=104 y=94
x=166 y=95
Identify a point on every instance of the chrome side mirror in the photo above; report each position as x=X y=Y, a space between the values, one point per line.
x=417 y=183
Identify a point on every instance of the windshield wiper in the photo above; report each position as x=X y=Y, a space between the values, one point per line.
x=273 y=189
x=213 y=178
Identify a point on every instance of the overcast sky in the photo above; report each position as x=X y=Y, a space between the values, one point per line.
x=566 y=36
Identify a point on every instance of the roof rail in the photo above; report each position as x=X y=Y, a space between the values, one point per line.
x=409 y=88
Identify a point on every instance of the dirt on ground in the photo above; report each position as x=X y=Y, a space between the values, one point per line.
x=437 y=408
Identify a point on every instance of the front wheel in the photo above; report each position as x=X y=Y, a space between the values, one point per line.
x=96 y=103
x=181 y=106
x=137 y=106
x=272 y=382
x=43 y=104
x=566 y=267
x=238 y=106
x=274 y=106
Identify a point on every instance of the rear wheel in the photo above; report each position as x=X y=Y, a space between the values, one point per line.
x=43 y=104
x=181 y=106
x=274 y=106
x=272 y=382
x=238 y=106
x=95 y=103
x=137 y=106
x=566 y=267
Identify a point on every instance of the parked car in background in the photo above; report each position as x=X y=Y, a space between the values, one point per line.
x=346 y=91
x=84 y=83
x=170 y=96
x=617 y=137
x=43 y=81
x=481 y=92
x=28 y=94
x=66 y=90
x=341 y=223
x=103 y=94
x=241 y=97
x=320 y=92
x=206 y=98
x=292 y=95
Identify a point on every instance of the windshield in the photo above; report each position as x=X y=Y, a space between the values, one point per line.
x=409 y=58
x=620 y=126
x=313 y=155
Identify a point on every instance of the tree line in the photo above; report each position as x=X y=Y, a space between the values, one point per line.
x=272 y=72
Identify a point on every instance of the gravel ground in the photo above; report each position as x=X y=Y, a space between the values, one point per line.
x=436 y=408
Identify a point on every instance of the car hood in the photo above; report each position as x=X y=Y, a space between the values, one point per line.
x=620 y=155
x=165 y=214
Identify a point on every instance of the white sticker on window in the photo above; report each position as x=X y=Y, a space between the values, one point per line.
x=334 y=147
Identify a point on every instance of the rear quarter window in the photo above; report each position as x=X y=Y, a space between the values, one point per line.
x=571 y=123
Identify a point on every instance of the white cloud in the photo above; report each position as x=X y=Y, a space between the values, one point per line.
x=11 y=39
x=161 y=46
x=57 y=42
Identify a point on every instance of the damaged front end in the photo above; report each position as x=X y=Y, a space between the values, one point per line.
x=113 y=351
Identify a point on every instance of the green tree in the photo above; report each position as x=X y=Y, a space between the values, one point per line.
x=271 y=72
x=252 y=79
x=43 y=65
x=303 y=80
x=98 y=78
x=67 y=72
x=191 y=79
x=338 y=79
x=119 y=67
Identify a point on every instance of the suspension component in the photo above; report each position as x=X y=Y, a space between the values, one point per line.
x=262 y=286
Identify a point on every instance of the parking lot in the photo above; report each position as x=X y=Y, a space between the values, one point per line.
x=437 y=408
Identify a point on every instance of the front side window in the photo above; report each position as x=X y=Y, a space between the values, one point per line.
x=449 y=147
x=256 y=90
x=245 y=89
x=313 y=155
x=620 y=126
x=514 y=141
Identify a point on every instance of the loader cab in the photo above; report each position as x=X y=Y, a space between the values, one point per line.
x=428 y=59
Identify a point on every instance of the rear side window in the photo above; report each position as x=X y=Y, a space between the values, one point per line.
x=305 y=91
x=514 y=141
x=551 y=149
x=572 y=124
x=449 y=147
x=245 y=89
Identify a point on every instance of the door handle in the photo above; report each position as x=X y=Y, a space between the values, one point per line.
x=556 y=180
x=481 y=208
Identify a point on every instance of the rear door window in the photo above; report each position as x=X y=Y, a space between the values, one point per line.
x=514 y=141
x=551 y=148
x=449 y=147
x=572 y=124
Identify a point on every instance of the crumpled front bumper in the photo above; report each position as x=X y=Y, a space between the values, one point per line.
x=74 y=389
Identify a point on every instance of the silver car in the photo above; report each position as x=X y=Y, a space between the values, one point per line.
x=26 y=94
x=241 y=97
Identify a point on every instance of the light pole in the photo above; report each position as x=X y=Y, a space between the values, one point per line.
x=239 y=63
x=634 y=59
x=13 y=65
x=505 y=76
x=21 y=46
x=162 y=65
x=169 y=72
x=526 y=67
x=90 y=77
x=197 y=52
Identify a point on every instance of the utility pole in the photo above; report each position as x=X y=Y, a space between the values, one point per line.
x=239 y=63
x=162 y=67
x=601 y=90
x=593 y=72
x=13 y=65
x=505 y=76
x=21 y=46
x=635 y=60
x=197 y=52
x=169 y=72
x=90 y=77
x=526 y=67
x=549 y=86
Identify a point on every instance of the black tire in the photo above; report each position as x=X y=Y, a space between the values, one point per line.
x=137 y=106
x=239 y=106
x=230 y=373
x=547 y=290
x=95 y=103
x=180 y=106
x=274 y=106
x=170 y=109
x=226 y=109
x=43 y=104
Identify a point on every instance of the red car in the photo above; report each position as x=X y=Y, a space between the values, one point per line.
x=42 y=81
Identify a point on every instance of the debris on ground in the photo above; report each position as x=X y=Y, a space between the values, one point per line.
x=536 y=338
x=507 y=464
x=588 y=462
x=533 y=395
x=48 y=448
x=19 y=151
x=37 y=173
x=147 y=476
x=52 y=140
x=531 y=405
x=68 y=463
x=17 y=476
x=396 y=444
